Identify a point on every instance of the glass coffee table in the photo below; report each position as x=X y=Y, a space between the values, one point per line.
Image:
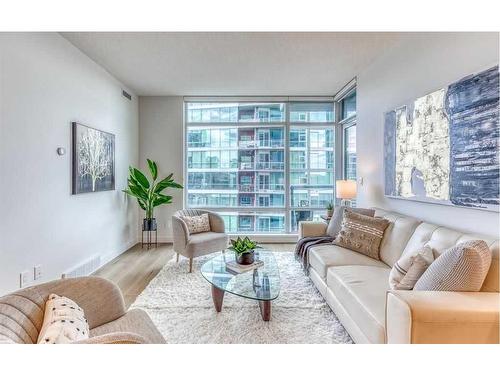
x=261 y=284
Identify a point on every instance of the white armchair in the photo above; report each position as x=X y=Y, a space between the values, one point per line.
x=198 y=244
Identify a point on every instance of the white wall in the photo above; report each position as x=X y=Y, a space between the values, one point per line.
x=161 y=139
x=45 y=84
x=420 y=64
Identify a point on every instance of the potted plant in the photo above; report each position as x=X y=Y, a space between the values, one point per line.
x=329 y=209
x=244 y=250
x=149 y=193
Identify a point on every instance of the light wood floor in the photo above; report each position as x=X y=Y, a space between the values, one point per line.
x=134 y=269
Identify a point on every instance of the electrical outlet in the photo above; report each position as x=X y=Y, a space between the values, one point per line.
x=24 y=278
x=37 y=272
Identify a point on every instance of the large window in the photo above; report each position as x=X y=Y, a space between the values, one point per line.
x=350 y=152
x=348 y=123
x=263 y=166
x=311 y=171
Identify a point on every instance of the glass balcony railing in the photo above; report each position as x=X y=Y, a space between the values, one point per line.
x=246 y=188
x=261 y=143
x=209 y=186
x=247 y=165
x=271 y=143
x=272 y=187
x=246 y=144
x=270 y=165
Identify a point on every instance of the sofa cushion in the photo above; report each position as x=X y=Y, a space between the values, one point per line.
x=63 y=322
x=362 y=233
x=335 y=223
x=205 y=243
x=324 y=256
x=135 y=321
x=441 y=239
x=396 y=235
x=362 y=291
x=461 y=268
x=408 y=269
x=197 y=224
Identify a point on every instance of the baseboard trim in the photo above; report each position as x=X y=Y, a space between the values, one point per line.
x=108 y=258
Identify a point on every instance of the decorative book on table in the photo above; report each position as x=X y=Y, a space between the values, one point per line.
x=234 y=267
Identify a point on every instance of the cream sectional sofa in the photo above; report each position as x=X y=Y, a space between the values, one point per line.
x=357 y=289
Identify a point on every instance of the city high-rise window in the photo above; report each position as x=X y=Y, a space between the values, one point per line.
x=263 y=166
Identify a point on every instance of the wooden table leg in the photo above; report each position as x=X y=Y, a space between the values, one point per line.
x=217 y=297
x=265 y=310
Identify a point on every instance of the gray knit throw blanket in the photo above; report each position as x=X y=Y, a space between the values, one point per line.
x=304 y=246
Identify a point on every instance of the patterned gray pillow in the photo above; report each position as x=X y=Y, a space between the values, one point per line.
x=338 y=215
x=461 y=268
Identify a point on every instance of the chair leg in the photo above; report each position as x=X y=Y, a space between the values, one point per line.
x=190 y=265
x=177 y=258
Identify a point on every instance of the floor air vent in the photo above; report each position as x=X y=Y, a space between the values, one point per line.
x=84 y=269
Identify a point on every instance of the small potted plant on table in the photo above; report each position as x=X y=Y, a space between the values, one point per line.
x=329 y=210
x=244 y=250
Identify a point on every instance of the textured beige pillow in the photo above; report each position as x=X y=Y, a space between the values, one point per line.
x=408 y=269
x=461 y=268
x=197 y=224
x=63 y=322
x=335 y=224
x=361 y=233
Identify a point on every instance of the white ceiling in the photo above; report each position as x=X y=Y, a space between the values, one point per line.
x=233 y=63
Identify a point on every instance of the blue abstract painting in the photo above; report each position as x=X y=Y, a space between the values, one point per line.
x=472 y=105
x=444 y=147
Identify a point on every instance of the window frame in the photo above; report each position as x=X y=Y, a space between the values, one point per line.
x=346 y=126
x=287 y=209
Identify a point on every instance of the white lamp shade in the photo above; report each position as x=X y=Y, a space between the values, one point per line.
x=345 y=189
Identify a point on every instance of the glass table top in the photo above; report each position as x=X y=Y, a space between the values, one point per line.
x=262 y=283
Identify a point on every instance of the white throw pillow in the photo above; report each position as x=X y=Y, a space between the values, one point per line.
x=63 y=322
x=461 y=268
x=408 y=269
x=197 y=224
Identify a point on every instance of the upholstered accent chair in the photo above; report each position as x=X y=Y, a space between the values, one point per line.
x=21 y=313
x=198 y=244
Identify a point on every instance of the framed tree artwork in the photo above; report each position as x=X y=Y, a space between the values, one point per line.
x=93 y=159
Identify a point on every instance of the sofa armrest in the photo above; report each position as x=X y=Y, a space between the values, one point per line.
x=114 y=338
x=312 y=229
x=180 y=232
x=216 y=223
x=100 y=299
x=432 y=317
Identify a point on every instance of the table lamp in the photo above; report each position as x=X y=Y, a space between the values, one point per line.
x=345 y=190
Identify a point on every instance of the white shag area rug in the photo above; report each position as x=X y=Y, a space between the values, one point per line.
x=180 y=304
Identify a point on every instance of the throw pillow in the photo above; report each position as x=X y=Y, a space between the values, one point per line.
x=407 y=270
x=335 y=223
x=197 y=224
x=361 y=233
x=461 y=268
x=63 y=322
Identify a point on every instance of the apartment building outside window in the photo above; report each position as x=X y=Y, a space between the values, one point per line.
x=347 y=121
x=264 y=166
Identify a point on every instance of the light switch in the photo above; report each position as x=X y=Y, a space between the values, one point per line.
x=24 y=278
x=37 y=272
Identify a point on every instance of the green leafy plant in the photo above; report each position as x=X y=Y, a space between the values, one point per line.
x=329 y=206
x=243 y=245
x=149 y=193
